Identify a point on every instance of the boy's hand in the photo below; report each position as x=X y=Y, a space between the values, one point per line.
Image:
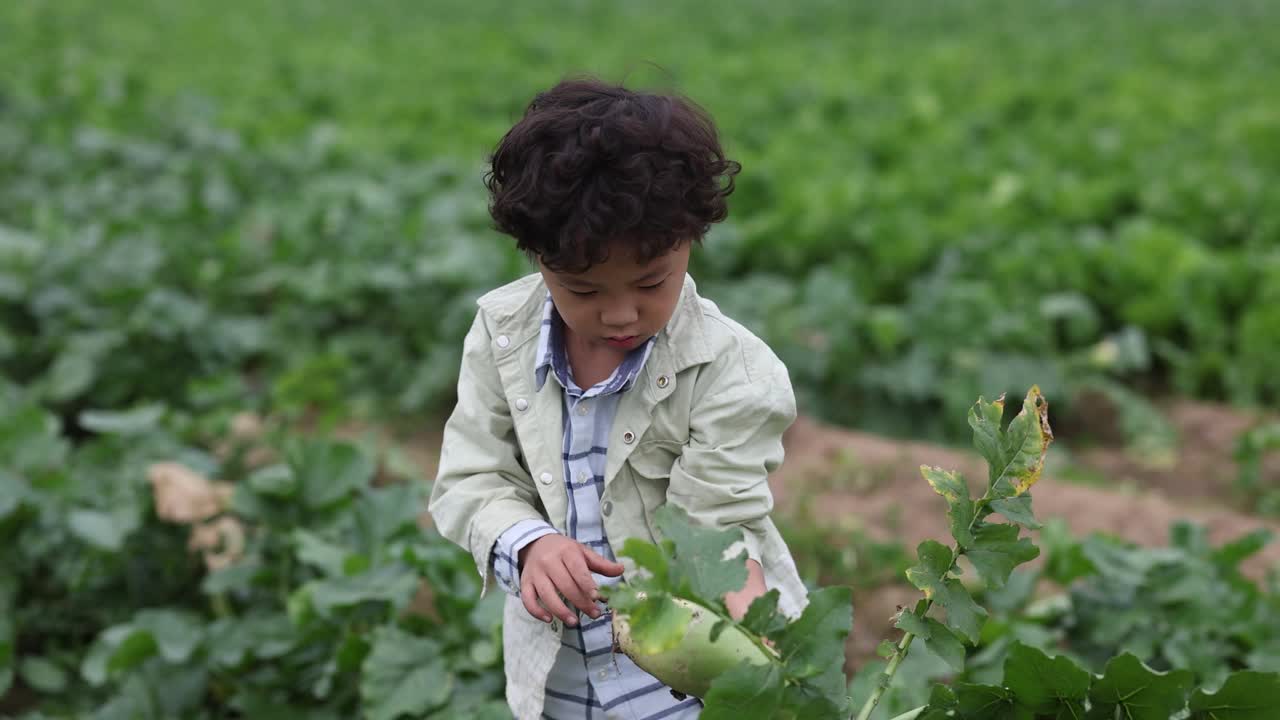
x=555 y=565
x=739 y=601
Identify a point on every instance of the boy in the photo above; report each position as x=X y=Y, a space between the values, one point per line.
x=602 y=387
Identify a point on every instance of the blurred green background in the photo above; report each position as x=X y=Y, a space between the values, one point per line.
x=208 y=209
x=938 y=199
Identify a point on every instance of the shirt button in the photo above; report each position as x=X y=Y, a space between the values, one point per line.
x=604 y=674
x=663 y=381
x=503 y=341
x=583 y=409
x=545 y=478
x=582 y=476
x=522 y=404
x=628 y=437
x=607 y=508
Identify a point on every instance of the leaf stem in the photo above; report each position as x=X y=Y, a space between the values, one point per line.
x=759 y=641
x=886 y=678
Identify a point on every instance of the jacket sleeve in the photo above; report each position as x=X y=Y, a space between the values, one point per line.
x=506 y=552
x=481 y=488
x=740 y=410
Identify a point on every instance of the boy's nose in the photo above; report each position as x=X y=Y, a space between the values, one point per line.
x=619 y=317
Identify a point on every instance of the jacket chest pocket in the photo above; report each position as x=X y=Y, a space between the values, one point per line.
x=647 y=473
x=653 y=459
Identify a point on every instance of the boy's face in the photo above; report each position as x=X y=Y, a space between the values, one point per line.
x=620 y=303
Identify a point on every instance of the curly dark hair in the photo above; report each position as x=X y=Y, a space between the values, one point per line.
x=593 y=165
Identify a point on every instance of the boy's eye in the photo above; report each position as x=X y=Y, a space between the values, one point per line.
x=654 y=286
x=582 y=293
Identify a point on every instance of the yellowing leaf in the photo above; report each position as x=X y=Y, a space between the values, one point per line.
x=1016 y=454
x=946 y=483
x=951 y=486
x=1037 y=436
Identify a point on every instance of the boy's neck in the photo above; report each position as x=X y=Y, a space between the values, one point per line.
x=589 y=365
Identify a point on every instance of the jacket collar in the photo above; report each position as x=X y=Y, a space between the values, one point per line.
x=517 y=310
x=552 y=360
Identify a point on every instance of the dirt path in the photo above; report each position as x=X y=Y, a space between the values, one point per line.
x=874 y=483
x=877 y=480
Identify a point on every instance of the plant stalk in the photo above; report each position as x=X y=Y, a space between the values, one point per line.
x=901 y=653
x=886 y=678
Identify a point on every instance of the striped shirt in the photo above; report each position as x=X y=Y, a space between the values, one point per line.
x=588 y=680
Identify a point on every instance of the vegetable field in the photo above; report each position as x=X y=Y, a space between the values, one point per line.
x=240 y=245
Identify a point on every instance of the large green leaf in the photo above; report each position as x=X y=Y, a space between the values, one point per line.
x=931 y=576
x=328 y=472
x=945 y=644
x=1137 y=692
x=1053 y=686
x=1246 y=695
x=392 y=584
x=997 y=550
x=404 y=675
x=649 y=557
x=762 y=616
x=942 y=705
x=747 y=692
x=814 y=644
x=988 y=702
x=940 y=640
x=699 y=563
x=1017 y=509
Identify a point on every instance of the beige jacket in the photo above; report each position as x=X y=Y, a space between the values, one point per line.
x=702 y=428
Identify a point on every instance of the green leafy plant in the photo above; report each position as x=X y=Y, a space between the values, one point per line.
x=258 y=225
x=306 y=591
x=673 y=615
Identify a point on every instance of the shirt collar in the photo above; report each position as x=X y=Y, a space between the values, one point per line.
x=551 y=358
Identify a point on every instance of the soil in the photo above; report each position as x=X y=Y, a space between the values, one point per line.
x=878 y=480
x=1203 y=466
x=875 y=482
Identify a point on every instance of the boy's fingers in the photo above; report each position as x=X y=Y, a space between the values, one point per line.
x=568 y=587
x=529 y=596
x=600 y=564
x=577 y=567
x=551 y=599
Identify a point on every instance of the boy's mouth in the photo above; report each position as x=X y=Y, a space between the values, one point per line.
x=622 y=341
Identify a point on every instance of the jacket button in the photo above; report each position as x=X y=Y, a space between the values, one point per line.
x=663 y=381
x=545 y=478
x=503 y=341
x=607 y=508
x=628 y=437
x=522 y=404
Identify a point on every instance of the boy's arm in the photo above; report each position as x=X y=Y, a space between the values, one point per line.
x=735 y=440
x=481 y=490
